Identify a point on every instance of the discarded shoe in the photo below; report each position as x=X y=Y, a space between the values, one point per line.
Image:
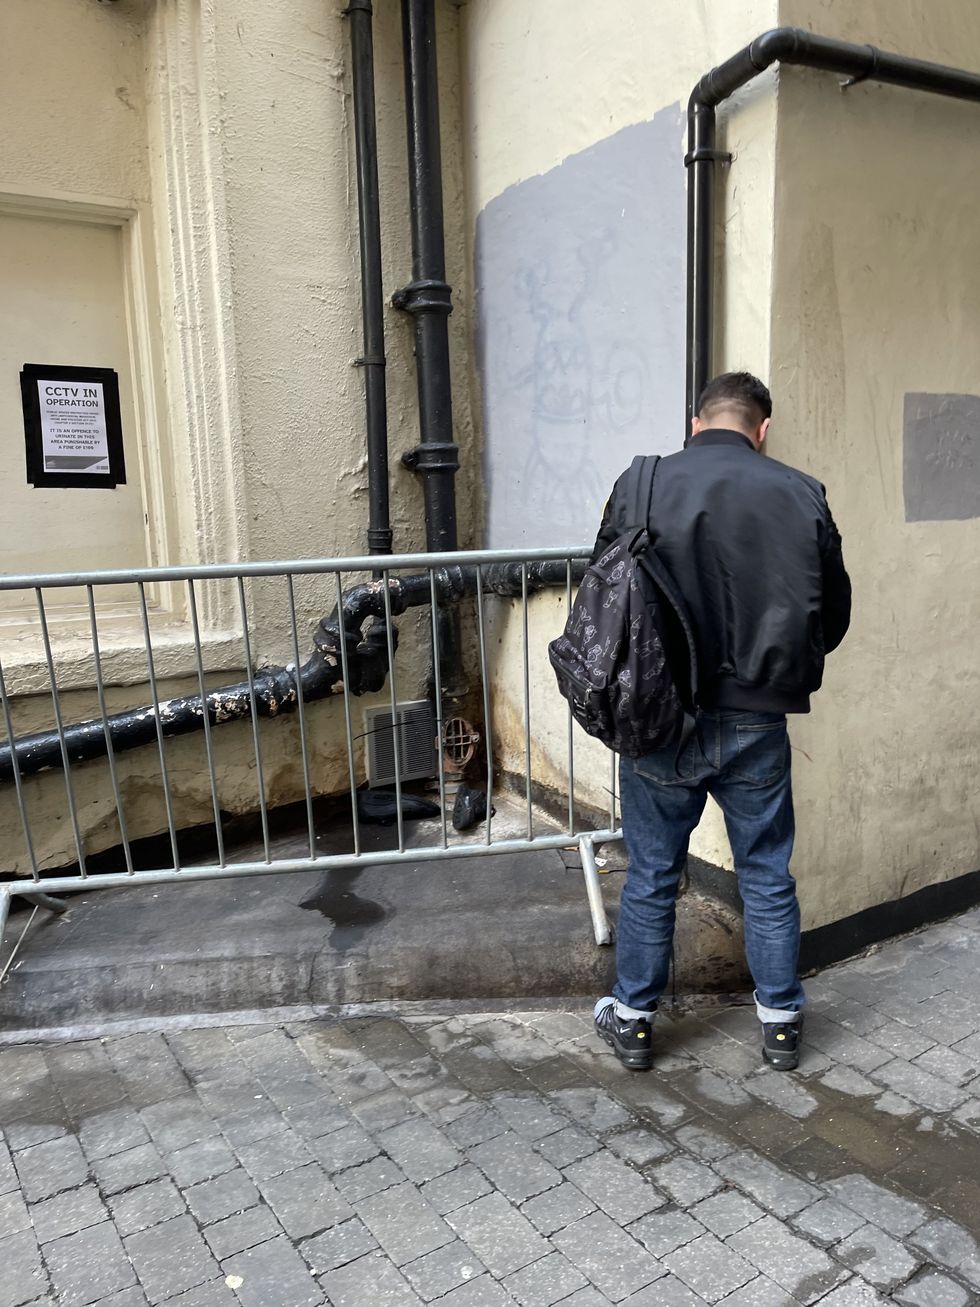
x=781 y=1044
x=380 y=807
x=470 y=808
x=630 y=1040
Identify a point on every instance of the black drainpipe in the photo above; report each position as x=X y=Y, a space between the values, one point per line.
x=786 y=45
x=379 y=534
x=428 y=298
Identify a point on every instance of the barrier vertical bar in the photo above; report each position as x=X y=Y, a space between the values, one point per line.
x=437 y=690
x=259 y=771
x=395 y=737
x=571 y=719
x=60 y=725
x=487 y=733
x=161 y=744
x=527 y=703
x=206 y=721
x=301 y=711
x=347 y=714
x=110 y=750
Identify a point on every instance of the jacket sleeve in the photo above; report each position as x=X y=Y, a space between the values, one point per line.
x=836 y=605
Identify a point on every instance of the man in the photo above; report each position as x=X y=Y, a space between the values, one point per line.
x=753 y=550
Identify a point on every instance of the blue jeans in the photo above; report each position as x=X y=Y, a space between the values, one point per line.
x=743 y=760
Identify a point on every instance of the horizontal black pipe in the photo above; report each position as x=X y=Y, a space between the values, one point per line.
x=787 y=45
x=275 y=687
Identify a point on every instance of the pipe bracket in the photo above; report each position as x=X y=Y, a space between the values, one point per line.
x=424 y=297
x=370 y=361
x=707 y=156
x=857 y=78
x=432 y=456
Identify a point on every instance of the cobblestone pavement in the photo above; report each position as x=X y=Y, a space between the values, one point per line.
x=489 y=1158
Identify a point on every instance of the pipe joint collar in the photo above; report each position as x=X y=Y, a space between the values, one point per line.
x=424 y=297
x=432 y=456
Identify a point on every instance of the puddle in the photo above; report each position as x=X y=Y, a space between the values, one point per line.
x=352 y=915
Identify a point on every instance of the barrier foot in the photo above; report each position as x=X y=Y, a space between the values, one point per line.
x=39 y=900
x=600 y=922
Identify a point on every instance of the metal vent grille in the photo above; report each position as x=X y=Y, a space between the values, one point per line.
x=415 y=734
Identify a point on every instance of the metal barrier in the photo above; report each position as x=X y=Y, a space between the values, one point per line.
x=346 y=660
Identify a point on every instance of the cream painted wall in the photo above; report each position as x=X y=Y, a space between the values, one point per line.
x=875 y=294
x=221 y=137
x=543 y=84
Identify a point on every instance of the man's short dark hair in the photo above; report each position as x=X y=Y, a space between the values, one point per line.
x=736 y=392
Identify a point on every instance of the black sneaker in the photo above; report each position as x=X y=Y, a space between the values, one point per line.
x=629 y=1039
x=781 y=1044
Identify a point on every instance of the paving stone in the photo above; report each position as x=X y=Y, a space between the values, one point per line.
x=113 y=1131
x=420 y=1150
x=14 y=1215
x=68 y=1213
x=341 y=1149
x=319 y=1117
x=663 y=1232
x=127 y=1170
x=88 y=1265
x=881 y=1260
x=545 y=1282
x=135 y=1297
x=706 y=1144
x=969 y=1113
x=726 y=1213
x=148 y=1204
x=709 y=1267
x=213 y=1293
x=390 y=1108
x=912 y=1082
x=281 y=1152
x=305 y=1201
x=591 y=1297
x=514 y=1168
x=592 y=1108
x=177 y=1122
x=23 y=1275
x=529 y=1115
x=8 y=1176
x=404 y=1224
x=945 y=1242
x=854 y=1294
x=890 y=1212
x=901 y=1040
x=339 y=1245
x=638 y=1146
x=614 y=1186
x=665 y=1292
x=50 y=1168
x=608 y=1256
x=782 y=1193
x=476 y=1126
x=848 y=1081
x=930 y=1289
x=273 y=1275
x=840 y=1045
x=783 y=1092
x=483 y=1292
x=25 y=1134
x=566 y=1146
x=249 y=1127
x=367 y=1179
x=501 y=1237
x=957 y=1068
x=243 y=1230
x=170 y=1258
x=557 y=1208
x=455 y=1189
x=805 y=1272
x=760 y=1292
x=226 y=1194
x=201 y=1161
x=687 y=1182
x=827 y=1221
x=447 y=1268
x=372 y=1279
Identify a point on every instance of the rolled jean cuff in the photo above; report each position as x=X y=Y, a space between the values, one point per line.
x=777 y=1015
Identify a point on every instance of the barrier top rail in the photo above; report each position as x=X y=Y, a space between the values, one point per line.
x=300 y=566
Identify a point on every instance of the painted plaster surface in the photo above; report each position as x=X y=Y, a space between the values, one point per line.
x=580 y=302
x=942 y=457
x=876 y=286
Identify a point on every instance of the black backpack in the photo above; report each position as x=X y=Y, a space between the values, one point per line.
x=626 y=661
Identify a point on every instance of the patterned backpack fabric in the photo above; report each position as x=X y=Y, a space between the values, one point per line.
x=625 y=661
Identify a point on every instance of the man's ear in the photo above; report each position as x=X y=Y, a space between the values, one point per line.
x=695 y=425
x=763 y=429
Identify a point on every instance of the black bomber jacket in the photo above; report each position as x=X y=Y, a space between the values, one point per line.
x=752 y=547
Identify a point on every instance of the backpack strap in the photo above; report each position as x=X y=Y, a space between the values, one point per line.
x=633 y=509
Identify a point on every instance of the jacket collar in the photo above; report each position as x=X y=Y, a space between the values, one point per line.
x=720 y=436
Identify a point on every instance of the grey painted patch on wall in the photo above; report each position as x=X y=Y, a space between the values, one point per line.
x=941 y=457
x=580 y=278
